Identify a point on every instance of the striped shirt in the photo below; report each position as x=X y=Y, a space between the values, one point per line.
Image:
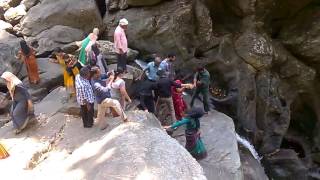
x=84 y=90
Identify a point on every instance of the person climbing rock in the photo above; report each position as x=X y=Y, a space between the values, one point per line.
x=68 y=67
x=146 y=98
x=22 y=107
x=194 y=142
x=27 y=55
x=102 y=93
x=118 y=88
x=202 y=83
x=121 y=44
x=85 y=47
x=178 y=102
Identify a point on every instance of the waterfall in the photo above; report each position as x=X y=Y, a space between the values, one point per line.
x=141 y=63
x=249 y=146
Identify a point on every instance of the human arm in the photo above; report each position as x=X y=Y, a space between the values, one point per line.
x=178 y=123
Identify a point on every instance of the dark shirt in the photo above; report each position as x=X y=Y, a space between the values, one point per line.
x=146 y=87
x=204 y=78
x=164 y=87
x=100 y=90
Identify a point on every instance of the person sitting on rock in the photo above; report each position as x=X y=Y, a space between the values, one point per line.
x=152 y=69
x=69 y=69
x=27 y=55
x=202 y=83
x=85 y=96
x=85 y=47
x=102 y=93
x=194 y=143
x=22 y=107
x=163 y=87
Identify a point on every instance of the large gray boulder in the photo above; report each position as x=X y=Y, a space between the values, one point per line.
x=139 y=149
x=166 y=27
x=81 y=14
x=5 y=26
x=107 y=49
x=29 y=3
x=57 y=36
x=6 y=4
x=14 y=14
x=124 y=4
x=9 y=47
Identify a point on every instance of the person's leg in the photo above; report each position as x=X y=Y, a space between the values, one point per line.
x=194 y=96
x=150 y=104
x=119 y=61
x=101 y=116
x=205 y=94
x=115 y=104
x=84 y=112
x=158 y=104
x=90 y=115
x=124 y=61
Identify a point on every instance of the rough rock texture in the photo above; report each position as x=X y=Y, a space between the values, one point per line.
x=139 y=149
x=29 y=3
x=107 y=49
x=5 y=26
x=9 y=46
x=82 y=15
x=177 y=26
x=6 y=4
x=14 y=14
x=57 y=36
x=266 y=51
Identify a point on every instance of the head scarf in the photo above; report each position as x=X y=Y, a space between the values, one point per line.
x=12 y=81
x=25 y=48
x=123 y=22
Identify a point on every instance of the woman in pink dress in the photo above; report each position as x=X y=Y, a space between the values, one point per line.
x=179 y=104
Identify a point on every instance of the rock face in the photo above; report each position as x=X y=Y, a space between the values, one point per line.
x=50 y=13
x=9 y=46
x=14 y=14
x=139 y=149
x=57 y=36
x=266 y=51
x=107 y=49
x=166 y=28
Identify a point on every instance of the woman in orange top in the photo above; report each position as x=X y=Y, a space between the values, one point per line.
x=28 y=56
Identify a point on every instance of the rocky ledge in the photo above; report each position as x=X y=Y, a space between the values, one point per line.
x=60 y=148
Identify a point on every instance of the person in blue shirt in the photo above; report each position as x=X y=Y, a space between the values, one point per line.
x=101 y=89
x=152 y=69
x=194 y=143
x=167 y=66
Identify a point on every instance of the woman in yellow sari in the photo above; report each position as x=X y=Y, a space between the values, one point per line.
x=67 y=63
x=3 y=152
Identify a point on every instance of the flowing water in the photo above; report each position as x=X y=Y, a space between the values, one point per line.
x=141 y=63
x=249 y=146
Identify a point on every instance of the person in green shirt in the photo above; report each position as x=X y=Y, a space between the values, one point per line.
x=194 y=144
x=202 y=82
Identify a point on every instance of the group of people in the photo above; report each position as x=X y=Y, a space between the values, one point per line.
x=88 y=78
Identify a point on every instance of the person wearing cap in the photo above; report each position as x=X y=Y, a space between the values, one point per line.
x=22 y=107
x=85 y=96
x=202 y=83
x=121 y=43
x=163 y=87
x=194 y=143
x=85 y=47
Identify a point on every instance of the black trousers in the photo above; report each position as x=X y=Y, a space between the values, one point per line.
x=122 y=61
x=147 y=102
x=87 y=115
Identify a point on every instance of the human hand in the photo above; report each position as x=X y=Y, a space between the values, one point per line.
x=166 y=127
